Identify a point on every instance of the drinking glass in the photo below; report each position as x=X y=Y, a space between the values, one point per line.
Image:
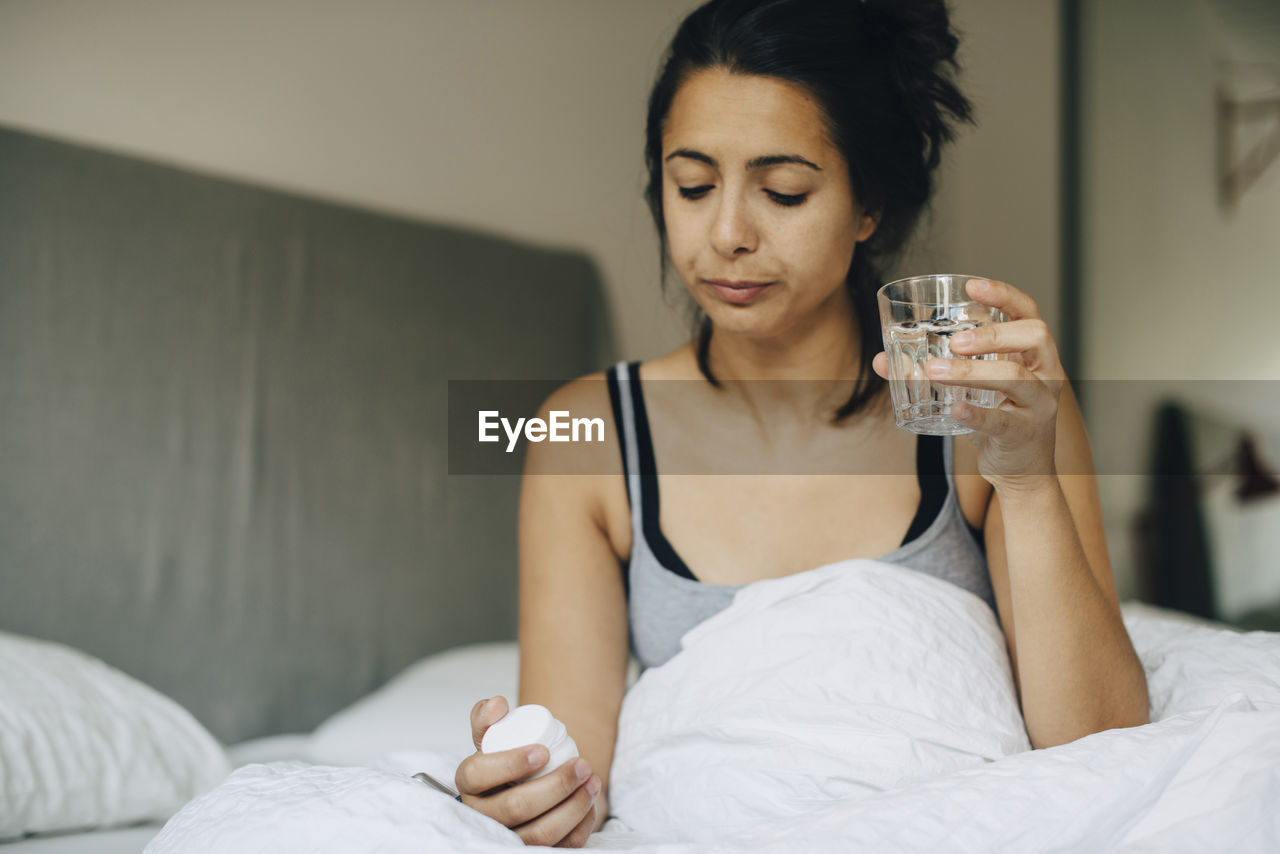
x=918 y=316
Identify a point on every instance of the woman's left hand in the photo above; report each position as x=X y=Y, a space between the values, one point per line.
x=1016 y=438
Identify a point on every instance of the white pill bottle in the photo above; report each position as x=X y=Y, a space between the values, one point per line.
x=531 y=724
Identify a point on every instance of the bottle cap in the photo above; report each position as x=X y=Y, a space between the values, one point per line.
x=523 y=725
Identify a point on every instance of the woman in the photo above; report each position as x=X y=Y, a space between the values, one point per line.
x=791 y=147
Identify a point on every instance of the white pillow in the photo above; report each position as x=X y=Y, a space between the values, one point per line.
x=83 y=745
x=426 y=708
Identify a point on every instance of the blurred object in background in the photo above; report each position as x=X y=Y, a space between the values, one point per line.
x=1248 y=125
x=1257 y=480
x=1176 y=556
x=1208 y=538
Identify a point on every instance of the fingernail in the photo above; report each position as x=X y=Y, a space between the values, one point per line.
x=582 y=769
x=538 y=755
x=593 y=786
x=484 y=707
x=964 y=339
x=940 y=367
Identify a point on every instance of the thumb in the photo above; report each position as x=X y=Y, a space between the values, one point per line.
x=484 y=715
x=880 y=364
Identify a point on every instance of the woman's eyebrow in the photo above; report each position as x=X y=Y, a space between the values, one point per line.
x=755 y=163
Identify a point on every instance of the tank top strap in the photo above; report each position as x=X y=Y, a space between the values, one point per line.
x=621 y=398
x=934 y=487
x=950 y=467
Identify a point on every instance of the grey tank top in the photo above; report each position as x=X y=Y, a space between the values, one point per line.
x=665 y=599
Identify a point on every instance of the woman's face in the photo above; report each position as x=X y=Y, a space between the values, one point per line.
x=753 y=192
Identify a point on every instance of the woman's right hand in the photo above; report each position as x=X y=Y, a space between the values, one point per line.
x=557 y=809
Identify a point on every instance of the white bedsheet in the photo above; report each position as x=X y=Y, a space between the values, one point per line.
x=132 y=840
x=854 y=707
x=127 y=840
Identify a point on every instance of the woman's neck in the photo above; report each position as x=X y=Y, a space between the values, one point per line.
x=809 y=370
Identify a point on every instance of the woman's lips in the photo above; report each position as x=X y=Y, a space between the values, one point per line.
x=738 y=294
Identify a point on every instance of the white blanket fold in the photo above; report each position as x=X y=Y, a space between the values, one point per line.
x=859 y=706
x=829 y=685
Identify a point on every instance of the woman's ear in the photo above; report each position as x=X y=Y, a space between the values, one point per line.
x=867 y=225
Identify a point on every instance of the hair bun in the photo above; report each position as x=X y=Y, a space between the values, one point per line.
x=918 y=28
x=914 y=38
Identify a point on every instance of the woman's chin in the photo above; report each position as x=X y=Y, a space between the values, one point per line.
x=747 y=322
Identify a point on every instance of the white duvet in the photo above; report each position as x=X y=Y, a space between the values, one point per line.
x=859 y=706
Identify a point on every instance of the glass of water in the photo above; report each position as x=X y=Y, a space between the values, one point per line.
x=918 y=316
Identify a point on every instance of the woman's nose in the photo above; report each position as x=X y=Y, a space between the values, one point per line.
x=733 y=231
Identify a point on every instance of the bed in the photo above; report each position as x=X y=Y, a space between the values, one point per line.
x=249 y=589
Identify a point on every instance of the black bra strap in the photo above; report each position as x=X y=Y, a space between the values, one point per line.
x=615 y=403
x=931 y=473
x=662 y=549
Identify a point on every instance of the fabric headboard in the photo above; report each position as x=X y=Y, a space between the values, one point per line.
x=223 y=429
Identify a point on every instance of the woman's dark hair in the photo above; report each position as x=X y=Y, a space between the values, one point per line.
x=879 y=70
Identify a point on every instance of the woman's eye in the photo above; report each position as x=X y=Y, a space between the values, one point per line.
x=695 y=193
x=787 y=201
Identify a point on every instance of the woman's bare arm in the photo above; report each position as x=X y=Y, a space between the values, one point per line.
x=1076 y=668
x=572 y=608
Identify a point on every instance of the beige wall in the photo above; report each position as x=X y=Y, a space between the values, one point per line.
x=1178 y=289
x=523 y=117
x=997 y=212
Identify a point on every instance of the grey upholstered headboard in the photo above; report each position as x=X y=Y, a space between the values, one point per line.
x=222 y=429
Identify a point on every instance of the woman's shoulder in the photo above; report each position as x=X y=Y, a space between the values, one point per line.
x=585 y=400
x=591 y=390
x=680 y=364
x=603 y=499
x=589 y=397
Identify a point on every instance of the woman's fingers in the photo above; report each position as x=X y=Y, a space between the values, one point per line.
x=485 y=714
x=481 y=773
x=1014 y=336
x=1014 y=380
x=992 y=422
x=557 y=808
x=1027 y=341
x=880 y=364
x=527 y=801
x=578 y=837
x=1030 y=340
x=554 y=826
x=1004 y=296
x=486 y=784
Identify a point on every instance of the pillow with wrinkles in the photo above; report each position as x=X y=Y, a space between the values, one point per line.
x=85 y=746
x=427 y=707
